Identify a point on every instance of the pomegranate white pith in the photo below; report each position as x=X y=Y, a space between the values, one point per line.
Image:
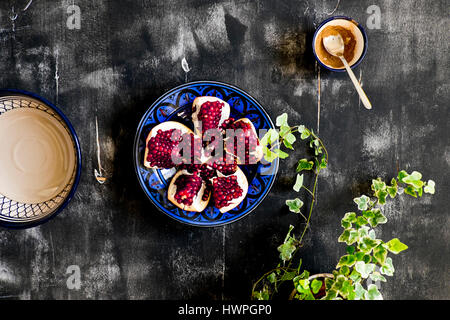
x=162 y=127
x=199 y=202
x=215 y=112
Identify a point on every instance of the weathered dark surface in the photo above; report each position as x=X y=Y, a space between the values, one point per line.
x=127 y=53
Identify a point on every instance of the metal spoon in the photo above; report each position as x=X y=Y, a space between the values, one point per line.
x=334 y=44
x=100 y=174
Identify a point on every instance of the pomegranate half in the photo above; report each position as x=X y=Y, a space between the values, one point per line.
x=209 y=113
x=229 y=191
x=246 y=145
x=162 y=142
x=188 y=191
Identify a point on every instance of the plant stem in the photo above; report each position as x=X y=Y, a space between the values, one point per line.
x=310 y=208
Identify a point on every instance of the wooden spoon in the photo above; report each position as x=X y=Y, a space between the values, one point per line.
x=334 y=44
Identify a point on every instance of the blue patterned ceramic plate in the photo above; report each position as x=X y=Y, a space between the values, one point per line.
x=15 y=214
x=176 y=105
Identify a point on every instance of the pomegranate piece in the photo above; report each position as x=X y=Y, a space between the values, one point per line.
x=209 y=113
x=243 y=142
x=161 y=142
x=229 y=191
x=187 y=191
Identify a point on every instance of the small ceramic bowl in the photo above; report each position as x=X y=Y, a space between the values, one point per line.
x=17 y=214
x=329 y=21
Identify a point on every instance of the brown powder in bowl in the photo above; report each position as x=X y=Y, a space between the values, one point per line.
x=349 y=42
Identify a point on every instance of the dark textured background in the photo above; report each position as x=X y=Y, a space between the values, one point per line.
x=127 y=53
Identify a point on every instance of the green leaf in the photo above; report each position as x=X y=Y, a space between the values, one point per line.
x=411 y=191
x=373 y=293
x=429 y=187
x=323 y=163
x=284 y=130
x=380 y=254
x=414 y=179
x=272 y=277
x=355 y=276
x=361 y=221
x=298 y=183
x=393 y=189
x=288 y=247
x=281 y=154
x=378 y=185
x=376 y=276
x=402 y=174
x=304 y=164
x=288 y=145
x=366 y=244
x=377 y=218
x=282 y=119
x=396 y=246
x=362 y=202
x=304 y=132
x=345 y=270
x=349 y=236
x=290 y=138
x=359 y=291
x=364 y=269
x=347 y=260
x=316 y=285
x=350 y=249
x=269 y=155
x=387 y=268
x=294 y=205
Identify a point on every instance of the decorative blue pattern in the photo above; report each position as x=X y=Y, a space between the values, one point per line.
x=176 y=105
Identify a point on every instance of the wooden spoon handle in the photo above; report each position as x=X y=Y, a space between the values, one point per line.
x=358 y=87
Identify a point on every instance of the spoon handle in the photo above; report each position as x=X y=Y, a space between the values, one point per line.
x=358 y=87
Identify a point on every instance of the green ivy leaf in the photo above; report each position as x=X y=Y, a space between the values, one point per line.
x=355 y=276
x=294 y=205
x=378 y=185
x=350 y=249
x=380 y=254
x=288 y=145
x=304 y=132
x=411 y=191
x=272 y=277
x=396 y=246
x=288 y=247
x=304 y=164
x=414 y=179
x=298 y=183
x=364 y=269
x=290 y=138
x=366 y=244
x=281 y=154
x=269 y=155
x=373 y=293
x=429 y=187
x=349 y=236
x=362 y=202
x=402 y=174
x=387 y=268
x=347 y=260
x=316 y=285
x=376 y=276
x=281 y=119
x=376 y=218
x=393 y=189
x=359 y=291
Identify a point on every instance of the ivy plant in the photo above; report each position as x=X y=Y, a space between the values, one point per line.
x=367 y=258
